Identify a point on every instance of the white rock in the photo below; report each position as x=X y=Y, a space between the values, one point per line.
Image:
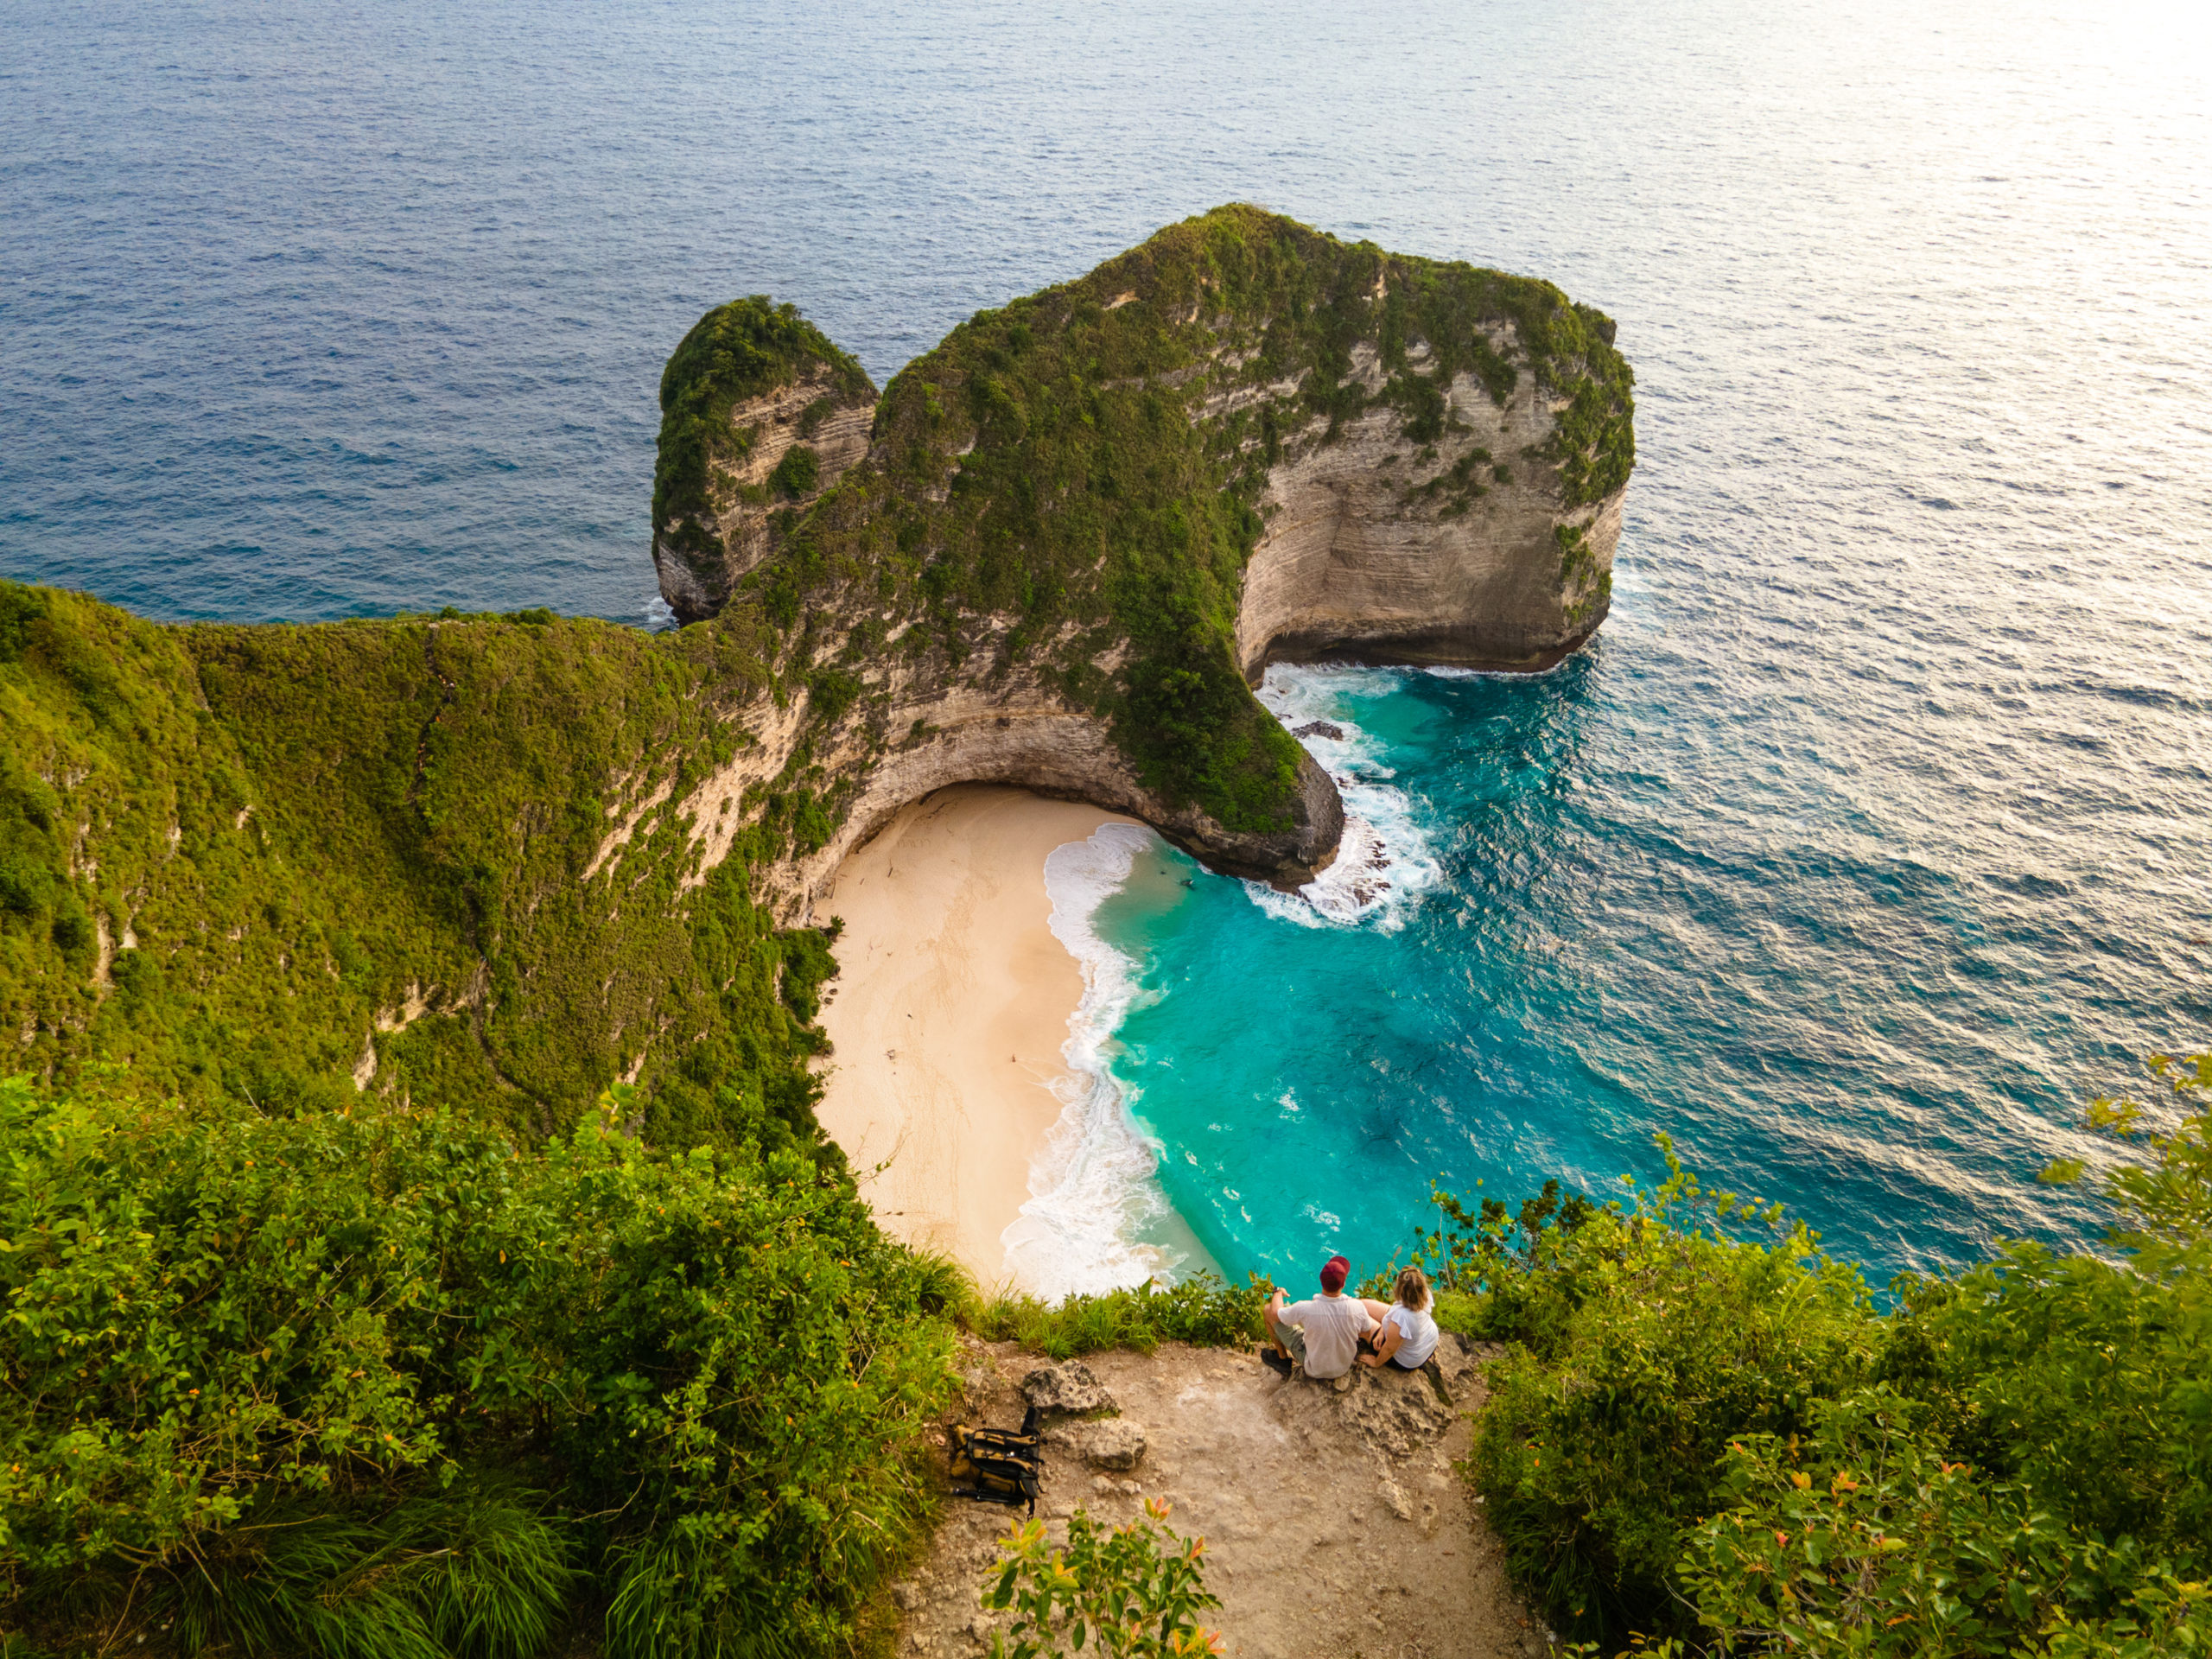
x=1068 y=1387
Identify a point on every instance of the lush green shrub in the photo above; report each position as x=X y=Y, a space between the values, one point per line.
x=306 y=1384
x=1131 y=1591
x=798 y=473
x=2089 y=1378
x=1200 y=1310
x=1722 y=1442
x=1864 y=1536
x=1644 y=1342
x=478 y=1570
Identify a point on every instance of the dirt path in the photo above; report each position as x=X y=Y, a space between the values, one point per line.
x=1334 y=1521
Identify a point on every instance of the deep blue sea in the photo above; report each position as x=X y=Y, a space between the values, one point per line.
x=1875 y=833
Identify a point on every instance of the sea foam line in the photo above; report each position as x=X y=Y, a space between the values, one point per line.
x=1384 y=860
x=1093 y=1186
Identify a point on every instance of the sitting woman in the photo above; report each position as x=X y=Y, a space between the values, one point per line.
x=1409 y=1334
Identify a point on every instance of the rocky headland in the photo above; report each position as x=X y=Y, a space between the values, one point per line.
x=520 y=858
x=1058 y=549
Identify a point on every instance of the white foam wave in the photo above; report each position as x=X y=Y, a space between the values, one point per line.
x=1443 y=672
x=1093 y=1188
x=1384 y=860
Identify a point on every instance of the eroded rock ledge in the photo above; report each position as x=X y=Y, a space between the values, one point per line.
x=1059 y=548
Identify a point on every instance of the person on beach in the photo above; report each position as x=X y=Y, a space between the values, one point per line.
x=1407 y=1333
x=1322 y=1332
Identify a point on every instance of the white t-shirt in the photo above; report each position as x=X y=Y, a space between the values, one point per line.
x=1333 y=1326
x=1416 y=1336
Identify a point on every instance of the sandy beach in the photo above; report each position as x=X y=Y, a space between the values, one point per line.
x=948 y=1013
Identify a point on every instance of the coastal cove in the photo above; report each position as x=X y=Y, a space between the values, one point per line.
x=1887 y=770
x=1490 y=989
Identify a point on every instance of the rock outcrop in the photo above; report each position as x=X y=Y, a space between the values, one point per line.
x=1069 y=538
x=1115 y=1446
x=1069 y=1389
x=785 y=446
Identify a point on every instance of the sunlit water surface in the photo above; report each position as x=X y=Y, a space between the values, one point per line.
x=1870 y=837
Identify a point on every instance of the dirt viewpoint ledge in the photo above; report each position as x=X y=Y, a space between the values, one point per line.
x=1334 y=1522
x=1059 y=547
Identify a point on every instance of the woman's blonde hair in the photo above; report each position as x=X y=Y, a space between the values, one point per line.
x=1413 y=1289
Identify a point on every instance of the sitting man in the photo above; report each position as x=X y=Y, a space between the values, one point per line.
x=1324 y=1332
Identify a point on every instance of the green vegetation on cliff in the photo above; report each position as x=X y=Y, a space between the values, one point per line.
x=449 y=859
x=349 y=1305
x=1054 y=463
x=375 y=1385
x=735 y=352
x=229 y=854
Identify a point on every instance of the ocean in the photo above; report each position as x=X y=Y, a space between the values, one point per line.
x=1873 y=834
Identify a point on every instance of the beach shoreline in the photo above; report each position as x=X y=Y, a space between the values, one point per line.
x=949 y=1014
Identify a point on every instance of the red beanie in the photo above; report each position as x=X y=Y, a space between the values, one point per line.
x=1334 y=1272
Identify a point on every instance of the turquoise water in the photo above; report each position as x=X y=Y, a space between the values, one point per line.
x=1579 y=930
x=1873 y=834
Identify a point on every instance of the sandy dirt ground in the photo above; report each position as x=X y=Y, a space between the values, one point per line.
x=948 y=1013
x=1335 y=1522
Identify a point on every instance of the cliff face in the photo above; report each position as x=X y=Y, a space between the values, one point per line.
x=788 y=445
x=1373 y=553
x=499 y=862
x=1079 y=529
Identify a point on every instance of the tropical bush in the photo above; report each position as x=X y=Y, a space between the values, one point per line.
x=1647 y=1340
x=1200 y=1310
x=1132 y=1592
x=1705 y=1434
x=378 y=1383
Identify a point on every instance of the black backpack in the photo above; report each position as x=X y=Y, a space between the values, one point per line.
x=994 y=1466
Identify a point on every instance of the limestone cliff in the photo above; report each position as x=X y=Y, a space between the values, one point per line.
x=499 y=862
x=1080 y=526
x=760 y=417
x=1464 y=551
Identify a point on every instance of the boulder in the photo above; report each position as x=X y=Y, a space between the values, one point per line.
x=1320 y=729
x=1068 y=1388
x=1116 y=1445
